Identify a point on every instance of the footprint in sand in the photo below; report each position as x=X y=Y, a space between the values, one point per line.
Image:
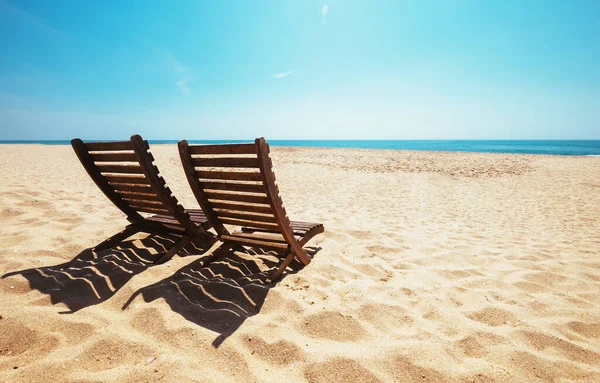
x=475 y=345
x=402 y=369
x=280 y=353
x=17 y=340
x=587 y=330
x=530 y=287
x=547 y=370
x=386 y=317
x=545 y=278
x=110 y=353
x=10 y=213
x=571 y=351
x=338 y=370
x=333 y=325
x=73 y=333
x=361 y=234
x=380 y=249
x=374 y=271
x=493 y=316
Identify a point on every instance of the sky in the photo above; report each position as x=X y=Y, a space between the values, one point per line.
x=240 y=69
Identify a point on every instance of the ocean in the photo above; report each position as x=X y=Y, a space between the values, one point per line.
x=558 y=147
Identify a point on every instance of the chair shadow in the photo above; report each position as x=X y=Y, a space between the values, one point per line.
x=223 y=294
x=93 y=277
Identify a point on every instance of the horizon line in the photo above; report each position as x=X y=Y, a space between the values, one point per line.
x=309 y=139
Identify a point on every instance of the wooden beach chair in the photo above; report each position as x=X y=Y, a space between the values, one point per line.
x=235 y=185
x=125 y=173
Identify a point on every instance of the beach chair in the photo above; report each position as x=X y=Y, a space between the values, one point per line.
x=125 y=173
x=235 y=185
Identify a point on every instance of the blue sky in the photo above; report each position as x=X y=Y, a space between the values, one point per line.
x=447 y=69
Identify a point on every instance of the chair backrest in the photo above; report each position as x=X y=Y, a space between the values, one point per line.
x=235 y=185
x=125 y=172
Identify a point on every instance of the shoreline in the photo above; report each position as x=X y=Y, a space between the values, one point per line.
x=384 y=150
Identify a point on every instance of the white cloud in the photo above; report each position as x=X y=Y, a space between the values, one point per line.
x=284 y=74
x=183 y=86
x=174 y=63
x=184 y=79
x=324 y=11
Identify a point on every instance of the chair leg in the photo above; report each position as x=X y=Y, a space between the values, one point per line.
x=282 y=266
x=117 y=238
x=183 y=242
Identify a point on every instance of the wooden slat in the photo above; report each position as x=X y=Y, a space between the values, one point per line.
x=223 y=149
x=132 y=188
x=247 y=216
x=132 y=169
x=152 y=204
x=221 y=175
x=226 y=162
x=236 y=197
x=217 y=206
x=147 y=209
x=238 y=222
x=254 y=242
x=302 y=225
x=144 y=202
x=127 y=179
x=114 y=157
x=252 y=235
x=175 y=227
x=109 y=146
x=139 y=196
x=163 y=219
x=233 y=187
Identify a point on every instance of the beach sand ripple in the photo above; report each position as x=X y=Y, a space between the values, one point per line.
x=434 y=267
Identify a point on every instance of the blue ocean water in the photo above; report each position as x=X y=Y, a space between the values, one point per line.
x=560 y=147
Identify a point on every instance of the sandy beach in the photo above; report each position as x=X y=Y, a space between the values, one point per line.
x=434 y=267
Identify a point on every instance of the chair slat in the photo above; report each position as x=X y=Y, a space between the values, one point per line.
x=238 y=222
x=108 y=146
x=241 y=207
x=143 y=202
x=238 y=176
x=223 y=149
x=139 y=196
x=131 y=169
x=152 y=204
x=127 y=179
x=236 y=197
x=114 y=157
x=247 y=216
x=151 y=209
x=132 y=188
x=250 y=188
x=254 y=242
x=251 y=233
x=226 y=162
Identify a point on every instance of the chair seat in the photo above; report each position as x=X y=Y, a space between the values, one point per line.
x=196 y=215
x=303 y=231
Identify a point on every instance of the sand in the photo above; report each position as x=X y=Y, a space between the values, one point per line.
x=434 y=267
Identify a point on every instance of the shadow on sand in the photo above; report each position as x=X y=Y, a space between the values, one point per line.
x=221 y=295
x=91 y=278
